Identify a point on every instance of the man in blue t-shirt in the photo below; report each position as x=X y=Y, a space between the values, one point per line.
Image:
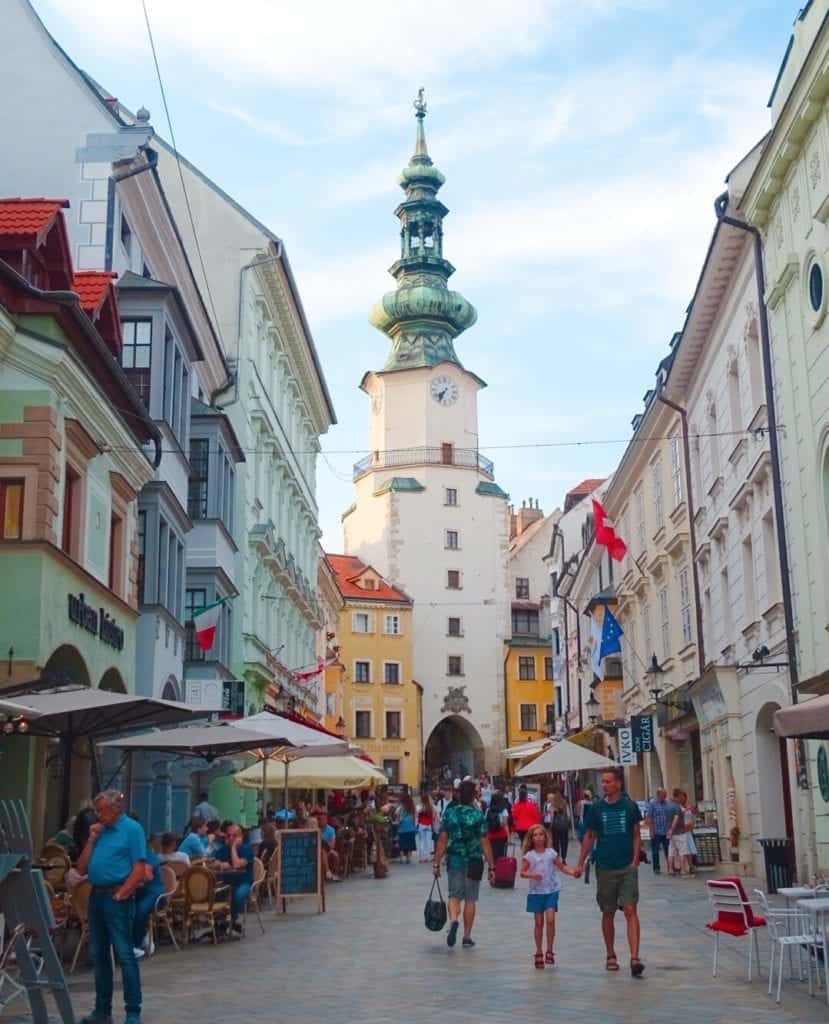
x=235 y=855
x=612 y=824
x=194 y=843
x=115 y=860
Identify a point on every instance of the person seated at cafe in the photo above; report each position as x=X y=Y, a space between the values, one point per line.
x=269 y=842
x=169 y=842
x=235 y=857
x=194 y=844
x=145 y=901
x=65 y=838
x=329 y=841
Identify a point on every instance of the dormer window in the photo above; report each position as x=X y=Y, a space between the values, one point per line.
x=369 y=584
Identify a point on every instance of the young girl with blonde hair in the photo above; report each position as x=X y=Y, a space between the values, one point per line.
x=542 y=865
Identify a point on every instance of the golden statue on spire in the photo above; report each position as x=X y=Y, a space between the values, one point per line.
x=420 y=103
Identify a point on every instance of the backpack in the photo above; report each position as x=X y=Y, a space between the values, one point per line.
x=493 y=821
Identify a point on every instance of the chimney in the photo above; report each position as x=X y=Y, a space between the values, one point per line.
x=528 y=513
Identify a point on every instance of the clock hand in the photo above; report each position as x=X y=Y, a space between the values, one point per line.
x=441 y=394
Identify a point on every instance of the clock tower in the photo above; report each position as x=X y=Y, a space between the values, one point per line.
x=428 y=514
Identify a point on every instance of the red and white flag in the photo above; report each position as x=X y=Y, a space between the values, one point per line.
x=206 y=621
x=606 y=535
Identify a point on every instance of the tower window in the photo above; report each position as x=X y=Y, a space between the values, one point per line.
x=451 y=496
x=453 y=540
x=453 y=579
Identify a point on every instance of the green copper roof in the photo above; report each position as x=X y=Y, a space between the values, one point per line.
x=422 y=317
x=490 y=489
x=400 y=483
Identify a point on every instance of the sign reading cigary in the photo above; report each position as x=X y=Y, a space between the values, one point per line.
x=641 y=727
x=95 y=621
x=299 y=872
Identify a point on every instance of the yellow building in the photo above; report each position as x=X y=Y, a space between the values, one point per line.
x=380 y=699
x=528 y=677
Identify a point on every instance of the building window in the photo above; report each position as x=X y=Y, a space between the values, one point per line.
x=72 y=496
x=193 y=601
x=391 y=672
x=685 y=607
x=393 y=725
x=453 y=579
x=522 y=588
x=665 y=622
x=391 y=766
x=526 y=668
x=559 y=703
x=11 y=509
x=658 y=505
x=770 y=557
x=362 y=725
x=454 y=665
x=454 y=627
x=391 y=625
x=453 y=541
x=548 y=669
x=126 y=235
x=646 y=627
x=362 y=671
x=447 y=454
x=116 y=553
x=676 y=469
x=170 y=575
x=142 y=547
x=136 y=355
x=199 y=465
x=640 y=519
x=525 y=622
x=725 y=600
x=749 y=589
x=451 y=496
x=815 y=286
x=713 y=443
x=360 y=622
x=734 y=399
x=549 y=714
x=529 y=717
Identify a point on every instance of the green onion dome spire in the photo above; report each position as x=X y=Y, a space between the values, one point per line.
x=422 y=317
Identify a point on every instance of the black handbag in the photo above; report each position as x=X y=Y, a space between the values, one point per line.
x=434 y=913
x=475 y=869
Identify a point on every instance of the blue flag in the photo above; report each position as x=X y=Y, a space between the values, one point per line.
x=611 y=632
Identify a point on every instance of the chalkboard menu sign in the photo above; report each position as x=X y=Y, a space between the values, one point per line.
x=708 y=846
x=300 y=866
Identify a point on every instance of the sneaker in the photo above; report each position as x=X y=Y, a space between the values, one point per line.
x=132 y=1018
x=468 y=943
x=96 y=1018
x=452 y=937
x=237 y=927
x=139 y=953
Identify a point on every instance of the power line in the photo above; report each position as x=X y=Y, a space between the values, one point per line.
x=180 y=171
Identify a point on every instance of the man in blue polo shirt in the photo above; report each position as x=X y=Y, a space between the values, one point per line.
x=235 y=857
x=114 y=859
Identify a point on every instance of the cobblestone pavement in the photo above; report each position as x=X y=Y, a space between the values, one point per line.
x=370 y=959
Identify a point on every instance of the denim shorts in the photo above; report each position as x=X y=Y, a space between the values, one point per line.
x=538 y=902
x=461 y=887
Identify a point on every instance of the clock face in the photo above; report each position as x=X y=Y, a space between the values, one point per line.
x=444 y=390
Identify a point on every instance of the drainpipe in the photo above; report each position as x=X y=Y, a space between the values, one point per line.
x=686 y=447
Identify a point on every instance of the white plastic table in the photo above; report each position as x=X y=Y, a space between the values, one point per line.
x=820 y=908
x=790 y=893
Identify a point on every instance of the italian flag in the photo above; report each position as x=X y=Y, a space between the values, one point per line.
x=205 y=621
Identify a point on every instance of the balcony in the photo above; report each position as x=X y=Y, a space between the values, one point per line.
x=445 y=455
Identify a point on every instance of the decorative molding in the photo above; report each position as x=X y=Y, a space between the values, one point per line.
x=790 y=269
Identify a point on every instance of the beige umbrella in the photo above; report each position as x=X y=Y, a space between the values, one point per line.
x=312 y=772
x=565 y=757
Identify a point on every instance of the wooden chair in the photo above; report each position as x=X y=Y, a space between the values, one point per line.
x=270 y=876
x=359 y=854
x=178 y=867
x=161 y=914
x=203 y=900
x=344 y=846
x=254 y=901
x=80 y=911
x=56 y=863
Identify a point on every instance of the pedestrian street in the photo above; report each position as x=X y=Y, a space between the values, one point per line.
x=370 y=959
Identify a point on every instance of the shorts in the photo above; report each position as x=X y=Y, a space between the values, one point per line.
x=679 y=845
x=461 y=887
x=616 y=888
x=538 y=902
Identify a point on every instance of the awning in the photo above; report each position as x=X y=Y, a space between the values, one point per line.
x=526 y=749
x=344 y=772
x=809 y=720
x=286 y=731
x=564 y=757
x=207 y=741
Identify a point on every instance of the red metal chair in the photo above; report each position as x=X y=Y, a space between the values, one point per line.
x=734 y=917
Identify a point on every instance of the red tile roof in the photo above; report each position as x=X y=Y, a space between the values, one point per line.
x=28 y=218
x=347 y=569
x=586 y=486
x=92 y=287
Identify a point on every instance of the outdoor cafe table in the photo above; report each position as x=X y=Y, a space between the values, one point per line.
x=794 y=892
x=819 y=907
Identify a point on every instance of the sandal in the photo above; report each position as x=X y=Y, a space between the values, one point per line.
x=612 y=963
x=539 y=961
x=549 y=957
x=637 y=968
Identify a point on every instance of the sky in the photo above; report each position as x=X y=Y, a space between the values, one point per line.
x=583 y=143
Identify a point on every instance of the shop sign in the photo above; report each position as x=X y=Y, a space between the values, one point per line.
x=641 y=726
x=627 y=755
x=95 y=621
x=233 y=698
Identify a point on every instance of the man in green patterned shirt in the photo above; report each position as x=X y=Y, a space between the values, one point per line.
x=464 y=841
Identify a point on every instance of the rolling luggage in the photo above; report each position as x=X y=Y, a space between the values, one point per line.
x=506 y=868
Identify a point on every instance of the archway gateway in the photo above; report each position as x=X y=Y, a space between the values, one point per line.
x=454 y=742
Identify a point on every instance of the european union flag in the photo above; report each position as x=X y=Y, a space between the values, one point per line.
x=611 y=632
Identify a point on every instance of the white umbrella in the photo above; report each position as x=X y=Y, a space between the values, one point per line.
x=526 y=749
x=345 y=772
x=565 y=757
x=289 y=733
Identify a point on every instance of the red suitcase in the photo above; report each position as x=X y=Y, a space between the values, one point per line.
x=506 y=868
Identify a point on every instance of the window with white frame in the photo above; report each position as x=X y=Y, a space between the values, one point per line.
x=362 y=725
x=451 y=496
x=646 y=628
x=685 y=606
x=639 y=499
x=658 y=504
x=454 y=665
x=391 y=625
x=394 y=725
x=529 y=717
x=734 y=402
x=362 y=671
x=391 y=672
x=676 y=468
x=453 y=540
x=361 y=622
x=454 y=627
x=665 y=622
x=630 y=646
x=522 y=588
x=749 y=587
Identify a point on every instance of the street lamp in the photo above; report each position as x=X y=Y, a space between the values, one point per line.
x=593 y=709
x=655 y=670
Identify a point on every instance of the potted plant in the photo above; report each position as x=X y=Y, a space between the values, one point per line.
x=379 y=824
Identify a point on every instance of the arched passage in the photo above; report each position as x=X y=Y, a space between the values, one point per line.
x=772 y=777
x=67 y=661
x=170 y=691
x=455 y=742
x=112 y=682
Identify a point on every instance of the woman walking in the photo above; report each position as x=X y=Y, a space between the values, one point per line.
x=497 y=826
x=426 y=827
x=541 y=865
x=560 y=819
x=407 y=828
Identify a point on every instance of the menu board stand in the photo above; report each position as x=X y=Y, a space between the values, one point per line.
x=300 y=867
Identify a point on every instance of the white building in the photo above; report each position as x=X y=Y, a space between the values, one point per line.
x=428 y=514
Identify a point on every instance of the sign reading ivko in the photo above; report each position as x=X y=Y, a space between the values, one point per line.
x=627 y=755
x=97 y=622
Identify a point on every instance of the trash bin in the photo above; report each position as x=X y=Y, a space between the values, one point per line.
x=779 y=856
